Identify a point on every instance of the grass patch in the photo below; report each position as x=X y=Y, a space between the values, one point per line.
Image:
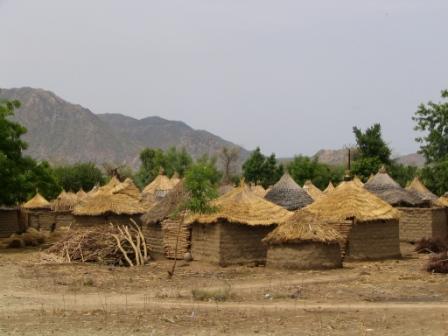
x=218 y=294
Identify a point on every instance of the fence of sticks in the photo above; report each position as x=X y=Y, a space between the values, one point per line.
x=114 y=245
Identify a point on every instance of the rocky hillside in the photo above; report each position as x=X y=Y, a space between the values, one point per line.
x=63 y=132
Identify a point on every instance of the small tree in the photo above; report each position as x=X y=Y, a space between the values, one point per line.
x=152 y=160
x=433 y=120
x=79 y=176
x=263 y=170
x=229 y=157
x=435 y=177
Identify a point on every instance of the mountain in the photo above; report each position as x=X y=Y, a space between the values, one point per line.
x=62 y=132
x=339 y=157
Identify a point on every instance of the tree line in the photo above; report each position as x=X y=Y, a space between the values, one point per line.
x=22 y=176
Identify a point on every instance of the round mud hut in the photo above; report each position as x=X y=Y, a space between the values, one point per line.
x=368 y=225
x=304 y=242
x=288 y=194
x=312 y=190
x=163 y=222
x=36 y=213
x=420 y=218
x=232 y=234
x=113 y=203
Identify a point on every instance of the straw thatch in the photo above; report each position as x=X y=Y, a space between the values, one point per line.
x=160 y=183
x=390 y=191
x=358 y=181
x=350 y=201
x=224 y=189
x=288 y=194
x=443 y=200
x=81 y=194
x=121 y=199
x=258 y=190
x=167 y=206
x=242 y=206
x=303 y=226
x=329 y=188
x=36 y=203
x=419 y=189
x=175 y=179
x=312 y=190
x=66 y=201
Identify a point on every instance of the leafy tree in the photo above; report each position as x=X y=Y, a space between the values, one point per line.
x=20 y=175
x=263 y=170
x=433 y=119
x=77 y=176
x=435 y=177
x=371 y=144
x=303 y=168
x=402 y=173
x=201 y=180
x=152 y=160
x=365 y=166
x=176 y=161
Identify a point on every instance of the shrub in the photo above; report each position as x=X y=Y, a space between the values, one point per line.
x=438 y=263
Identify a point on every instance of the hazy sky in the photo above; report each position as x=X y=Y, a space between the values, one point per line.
x=291 y=76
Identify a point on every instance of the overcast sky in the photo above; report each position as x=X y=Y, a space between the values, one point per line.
x=291 y=76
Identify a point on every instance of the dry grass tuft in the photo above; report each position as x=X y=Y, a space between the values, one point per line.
x=216 y=294
x=430 y=245
x=31 y=237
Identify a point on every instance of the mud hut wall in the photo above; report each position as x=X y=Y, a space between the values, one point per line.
x=205 y=242
x=123 y=220
x=417 y=223
x=9 y=222
x=303 y=256
x=343 y=228
x=241 y=244
x=170 y=231
x=374 y=240
x=64 y=219
x=89 y=221
x=154 y=238
x=40 y=219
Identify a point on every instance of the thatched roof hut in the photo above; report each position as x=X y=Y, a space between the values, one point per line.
x=233 y=234
x=160 y=183
x=258 y=190
x=175 y=179
x=390 y=191
x=358 y=181
x=38 y=202
x=419 y=189
x=369 y=224
x=65 y=202
x=312 y=190
x=119 y=199
x=329 y=188
x=288 y=194
x=304 y=242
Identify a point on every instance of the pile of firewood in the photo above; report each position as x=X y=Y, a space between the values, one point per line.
x=113 y=245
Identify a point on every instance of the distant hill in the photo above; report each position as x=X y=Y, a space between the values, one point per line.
x=62 y=132
x=415 y=159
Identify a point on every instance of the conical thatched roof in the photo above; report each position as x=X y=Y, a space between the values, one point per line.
x=258 y=190
x=161 y=182
x=303 y=226
x=312 y=190
x=121 y=199
x=350 y=201
x=224 y=189
x=288 y=194
x=443 y=200
x=66 y=201
x=390 y=191
x=81 y=194
x=37 y=202
x=419 y=189
x=358 y=181
x=175 y=179
x=329 y=188
x=242 y=206
x=166 y=206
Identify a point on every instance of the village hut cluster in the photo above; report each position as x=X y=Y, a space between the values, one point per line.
x=286 y=226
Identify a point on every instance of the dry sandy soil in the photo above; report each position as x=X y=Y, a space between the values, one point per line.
x=393 y=297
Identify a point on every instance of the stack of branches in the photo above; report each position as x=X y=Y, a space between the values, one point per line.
x=430 y=245
x=119 y=245
x=438 y=263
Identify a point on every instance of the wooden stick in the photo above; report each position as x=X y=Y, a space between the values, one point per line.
x=125 y=255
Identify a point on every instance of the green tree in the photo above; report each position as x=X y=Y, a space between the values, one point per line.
x=77 y=176
x=372 y=152
x=432 y=119
x=20 y=175
x=303 y=168
x=263 y=170
x=229 y=157
x=435 y=177
x=176 y=161
x=201 y=180
x=152 y=160
x=401 y=173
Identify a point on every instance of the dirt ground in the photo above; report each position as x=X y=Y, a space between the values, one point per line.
x=393 y=297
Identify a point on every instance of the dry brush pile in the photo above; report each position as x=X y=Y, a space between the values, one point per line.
x=112 y=245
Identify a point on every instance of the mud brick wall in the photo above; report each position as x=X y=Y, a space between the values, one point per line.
x=307 y=255
x=89 y=221
x=205 y=242
x=171 y=231
x=417 y=223
x=64 y=219
x=241 y=244
x=9 y=222
x=374 y=240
